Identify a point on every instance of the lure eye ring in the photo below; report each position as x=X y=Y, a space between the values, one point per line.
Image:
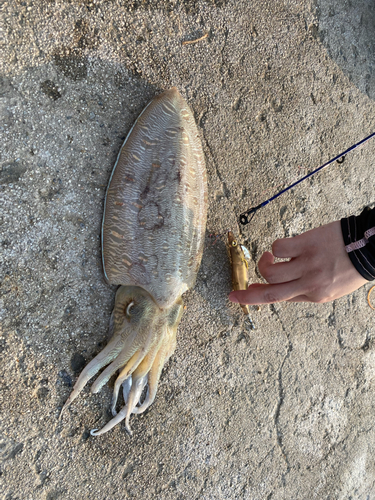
x=128 y=308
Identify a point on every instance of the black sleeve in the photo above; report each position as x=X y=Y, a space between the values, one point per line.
x=359 y=238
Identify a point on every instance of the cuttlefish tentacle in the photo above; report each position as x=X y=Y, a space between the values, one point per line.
x=117 y=419
x=126 y=386
x=148 y=371
x=124 y=356
x=165 y=352
x=103 y=358
x=139 y=380
x=137 y=367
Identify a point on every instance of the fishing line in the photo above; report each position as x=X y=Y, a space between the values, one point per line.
x=244 y=217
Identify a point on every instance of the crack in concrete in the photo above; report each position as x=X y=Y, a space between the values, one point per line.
x=276 y=416
x=225 y=189
x=223 y=62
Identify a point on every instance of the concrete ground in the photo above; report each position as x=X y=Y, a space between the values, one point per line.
x=277 y=88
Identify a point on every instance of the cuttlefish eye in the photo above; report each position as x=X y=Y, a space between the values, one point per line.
x=129 y=308
x=234 y=243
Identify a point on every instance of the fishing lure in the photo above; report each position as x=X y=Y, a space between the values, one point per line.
x=239 y=256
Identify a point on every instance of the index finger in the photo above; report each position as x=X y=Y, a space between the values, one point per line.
x=267 y=294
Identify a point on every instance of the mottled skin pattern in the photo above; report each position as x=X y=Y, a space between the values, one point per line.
x=156 y=201
x=152 y=244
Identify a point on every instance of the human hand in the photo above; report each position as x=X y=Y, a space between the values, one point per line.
x=319 y=270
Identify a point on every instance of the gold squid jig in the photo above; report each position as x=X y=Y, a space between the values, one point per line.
x=239 y=256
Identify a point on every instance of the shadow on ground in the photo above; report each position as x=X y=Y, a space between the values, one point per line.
x=347 y=30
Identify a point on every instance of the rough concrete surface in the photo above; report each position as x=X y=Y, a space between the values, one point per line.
x=277 y=88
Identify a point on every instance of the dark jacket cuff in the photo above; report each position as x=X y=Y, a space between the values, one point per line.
x=359 y=238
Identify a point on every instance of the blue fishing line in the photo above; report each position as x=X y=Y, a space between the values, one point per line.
x=244 y=217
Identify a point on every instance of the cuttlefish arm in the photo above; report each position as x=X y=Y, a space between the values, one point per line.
x=144 y=337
